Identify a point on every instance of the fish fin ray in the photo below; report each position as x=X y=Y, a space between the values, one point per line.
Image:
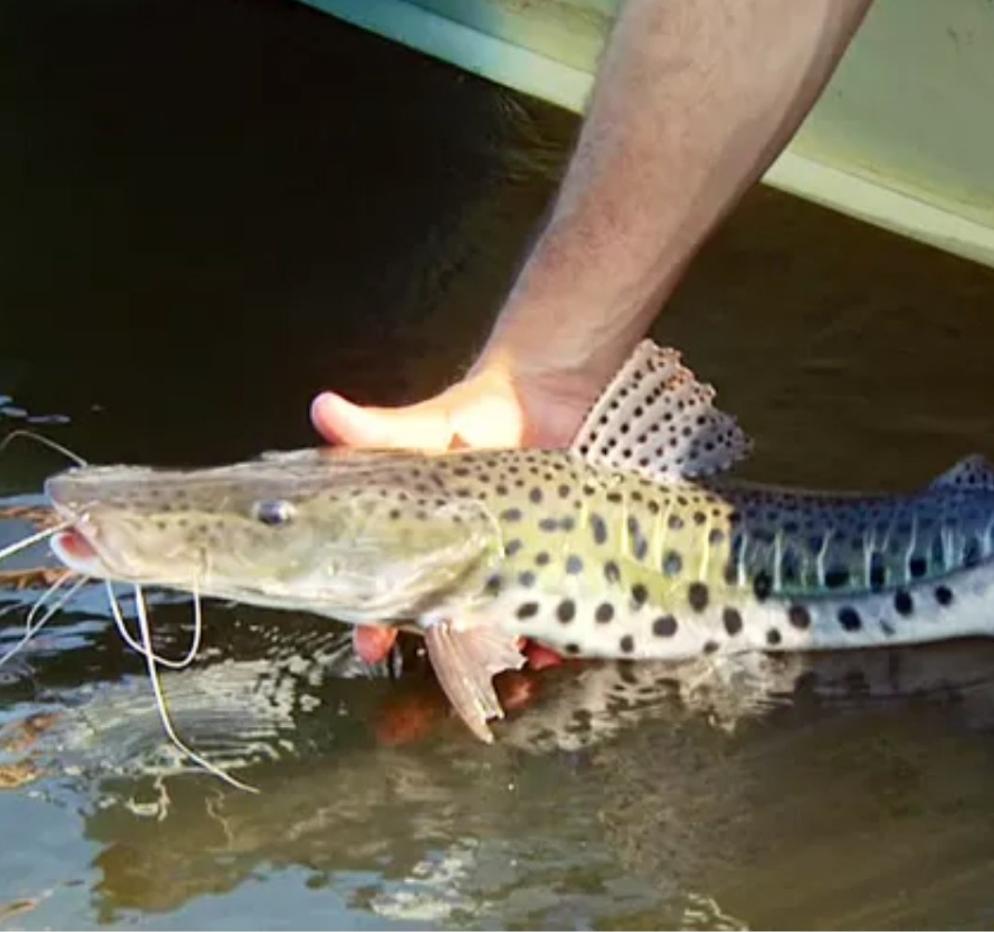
x=465 y=662
x=657 y=419
x=971 y=472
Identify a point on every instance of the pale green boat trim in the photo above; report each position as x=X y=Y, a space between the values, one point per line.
x=903 y=136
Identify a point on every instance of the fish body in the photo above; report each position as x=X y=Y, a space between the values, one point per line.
x=597 y=563
x=620 y=547
x=541 y=544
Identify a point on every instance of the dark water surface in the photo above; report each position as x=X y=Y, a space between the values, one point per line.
x=213 y=210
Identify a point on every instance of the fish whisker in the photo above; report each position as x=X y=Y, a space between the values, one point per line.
x=33 y=539
x=44 y=597
x=32 y=627
x=44 y=441
x=160 y=699
x=136 y=645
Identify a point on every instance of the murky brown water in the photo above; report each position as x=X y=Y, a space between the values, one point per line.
x=213 y=210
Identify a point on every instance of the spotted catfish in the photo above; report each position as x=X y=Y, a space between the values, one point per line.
x=627 y=545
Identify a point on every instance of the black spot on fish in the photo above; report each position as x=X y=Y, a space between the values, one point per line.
x=849 y=619
x=672 y=563
x=542 y=559
x=799 y=617
x=598 y=528
x=697 y=596
x=493 y=585
x=715 y=536
x=535 y=495
x=527 y=578
x=903 y=602
x=527 y=610
x=563 y=491
x=614 y=497
x=611 y=572
x=836 y=577
x=710 y=647
x=548 y=524
x=512 y=547
x=732 y=619
x=566 y=524
x=627 y=644
x=639 y=595
x=762 y=585
x=566 y=611
x=878 y=572
x=674 y=522
x=638 y=542
x=572 y=648
x=664 y=626
x=917 y=567
x=790 y=566
x=943 y=595
x=511 y=514
x=773 y=637
x=604 y=613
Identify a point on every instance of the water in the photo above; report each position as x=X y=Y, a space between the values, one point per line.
x=214 y=210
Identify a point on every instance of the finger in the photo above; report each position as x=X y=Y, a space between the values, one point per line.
x=541 y=657
x=372 y=643
x=423 y=426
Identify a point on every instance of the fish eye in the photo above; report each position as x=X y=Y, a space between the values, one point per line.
x=273 y=512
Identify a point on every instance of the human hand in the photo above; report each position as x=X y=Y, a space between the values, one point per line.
x=495 y=405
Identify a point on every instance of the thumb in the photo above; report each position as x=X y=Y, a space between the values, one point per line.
x=420 y=426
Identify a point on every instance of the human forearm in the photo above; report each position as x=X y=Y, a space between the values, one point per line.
x=693 y=101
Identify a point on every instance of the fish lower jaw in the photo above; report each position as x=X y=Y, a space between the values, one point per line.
x=73 y=550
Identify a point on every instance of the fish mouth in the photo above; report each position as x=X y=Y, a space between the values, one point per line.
x=73 y=548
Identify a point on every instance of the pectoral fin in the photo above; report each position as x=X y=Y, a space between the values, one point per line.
x=465 y=662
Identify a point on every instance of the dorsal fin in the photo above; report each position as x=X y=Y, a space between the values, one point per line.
x=971 y=472
x=656 y=419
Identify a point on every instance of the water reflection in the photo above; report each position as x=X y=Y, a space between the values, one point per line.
x=711 y=793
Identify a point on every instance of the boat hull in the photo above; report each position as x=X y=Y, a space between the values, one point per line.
x=902 y=137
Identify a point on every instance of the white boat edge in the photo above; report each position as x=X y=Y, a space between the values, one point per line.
x=867 y=150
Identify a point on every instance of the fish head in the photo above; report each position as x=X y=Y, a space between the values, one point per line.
x=347 y=535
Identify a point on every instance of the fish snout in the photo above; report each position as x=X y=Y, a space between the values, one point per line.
x=63 y=491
